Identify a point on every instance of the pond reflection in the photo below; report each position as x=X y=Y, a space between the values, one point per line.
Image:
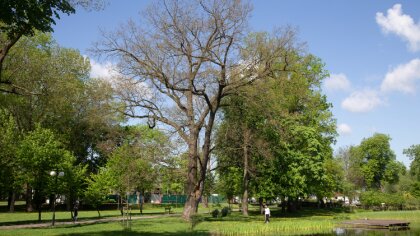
x=371 y=232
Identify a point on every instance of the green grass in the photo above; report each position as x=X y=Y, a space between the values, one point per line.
x=300 y=223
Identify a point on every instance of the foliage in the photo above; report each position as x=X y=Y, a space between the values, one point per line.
x=215 y=213
x=23 y=17
x=373 y=157
x=414 y=154
x=290 y=128
x=200 y=59
x=415 y=189
x=172 y=174
x=225 y=211
x=380 y=199
x=135 y=163
x=99 y=186
x=60 y=96
x=229 y=182
x=9 y=144
x=39 y=153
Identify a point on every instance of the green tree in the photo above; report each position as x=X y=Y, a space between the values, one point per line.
x=352 y=180
x=22 y=18
x=134 y=165
x=99 y=187
x=280 y=138
x=39 y=153
x=62 y=97
x=413 y=153
x=19 y=18
x=9 y=144
x=374 y=156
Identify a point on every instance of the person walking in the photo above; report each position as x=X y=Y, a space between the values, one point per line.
x=267 y=214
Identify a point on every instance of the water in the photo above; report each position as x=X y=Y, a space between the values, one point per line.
x=373 y=232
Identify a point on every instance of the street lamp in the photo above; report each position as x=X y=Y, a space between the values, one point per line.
x=56 y=175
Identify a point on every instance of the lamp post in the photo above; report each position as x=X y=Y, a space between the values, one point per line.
x=55 y=175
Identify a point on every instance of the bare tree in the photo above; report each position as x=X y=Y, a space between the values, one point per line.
x=181 y=62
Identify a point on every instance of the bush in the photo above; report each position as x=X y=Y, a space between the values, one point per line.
x=225 y=211
x=371 y=199
x=215 y=213
x=374 y=199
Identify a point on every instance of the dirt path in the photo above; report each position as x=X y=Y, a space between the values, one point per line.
x=81 y=222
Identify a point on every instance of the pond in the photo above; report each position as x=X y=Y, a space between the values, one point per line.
x=371 y=232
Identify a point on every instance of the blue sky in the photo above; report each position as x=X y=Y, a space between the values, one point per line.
x=371 y=49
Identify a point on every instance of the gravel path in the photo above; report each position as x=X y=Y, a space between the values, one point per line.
x=81 y=222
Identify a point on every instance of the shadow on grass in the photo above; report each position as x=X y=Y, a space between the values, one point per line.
x=129 y=233
x=81 y=219
x=308 y=213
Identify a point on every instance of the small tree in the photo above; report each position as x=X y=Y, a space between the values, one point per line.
x=9 y=143
x=39 y=153
x=99 y=186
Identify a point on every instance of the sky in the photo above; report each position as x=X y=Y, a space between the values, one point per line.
x=370 y=48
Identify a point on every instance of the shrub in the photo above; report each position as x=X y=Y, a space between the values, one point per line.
x=225 y=211
x=371 y=199
x=215 y=213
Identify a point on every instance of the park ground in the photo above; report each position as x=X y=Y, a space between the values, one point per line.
x=154 y=221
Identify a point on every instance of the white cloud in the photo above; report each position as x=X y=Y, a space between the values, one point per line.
x=400 y=24
x=337 y=82
x=344 y=129
x=402 y=78
x=362 y=101
x=98 y=70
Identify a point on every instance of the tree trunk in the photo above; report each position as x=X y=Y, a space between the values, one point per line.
x=297 y=204
x=260 y=201
x=206 y=201
x=291 y=206
x=11 y=201
x=28 y=198
x=245 y=179
x=141 y=201
x=193 y=188
x=283 y=204
x=39 y=207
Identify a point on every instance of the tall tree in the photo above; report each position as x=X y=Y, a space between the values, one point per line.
x=280 y=137
x=413 y=153
x=61 y=96
x=181 y=63
x=373 y=156
x=22 y=18
x=9 y=144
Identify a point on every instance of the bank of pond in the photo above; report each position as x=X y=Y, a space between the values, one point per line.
x=154 y=221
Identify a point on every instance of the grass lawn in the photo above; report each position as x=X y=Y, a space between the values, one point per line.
x=303 y=222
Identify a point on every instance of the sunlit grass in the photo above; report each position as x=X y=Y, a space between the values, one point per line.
x=300 y=223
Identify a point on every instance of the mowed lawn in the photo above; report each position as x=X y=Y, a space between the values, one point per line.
x=303 y=222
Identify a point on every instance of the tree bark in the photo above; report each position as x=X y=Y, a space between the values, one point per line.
x=245 y=179
x=11 y=201
x=28 y=198
x=193 y=188
x=206 y=201
x=260 y=201
x=283 y=204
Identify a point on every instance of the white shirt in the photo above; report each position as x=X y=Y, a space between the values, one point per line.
x=267 y=211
